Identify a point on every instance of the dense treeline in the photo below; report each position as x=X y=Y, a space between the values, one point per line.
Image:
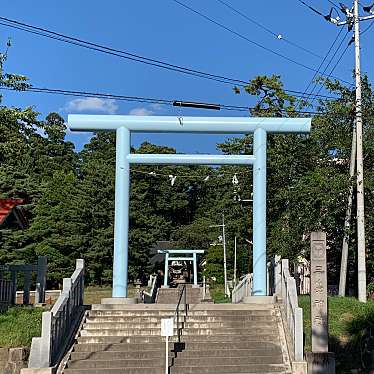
x=69 y=195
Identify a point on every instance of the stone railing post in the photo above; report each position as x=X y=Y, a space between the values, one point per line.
x=41 y=280
x=299 y=335
x=80 y=265
x=278 y=275
x=284 y=287
x=40 y=353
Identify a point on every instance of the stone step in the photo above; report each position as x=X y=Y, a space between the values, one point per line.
x=192 y=338
x=110 y=331
x=153 y=370
x=193 y=310
x=267 y=354
x=226 y=353
x=189 y=346
x=187 y=325
x=232 y=369
x=145 y=353
x=127 y=370
x=125 y=325
x=139 y=363
x=220 y=361
x=194 y=319
x=123 y=347
x=179 y=362
x=172 y=307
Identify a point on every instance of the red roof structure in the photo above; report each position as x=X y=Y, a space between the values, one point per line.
x=9 y=210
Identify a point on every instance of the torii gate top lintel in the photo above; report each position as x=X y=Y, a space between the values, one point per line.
x=125 y=125
x=207 y=125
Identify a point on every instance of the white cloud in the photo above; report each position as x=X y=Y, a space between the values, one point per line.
x=92 y=104
x=141 y=112
x=156 y=107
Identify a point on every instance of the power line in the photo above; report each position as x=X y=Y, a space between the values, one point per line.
x=368 y=28
x=136 y=99
x=124 y=54
x=329 y=63
x=336 y=64
x=267 y=29
x=311 y=8
x=334 y=4
x=323 y=61
x=249 y=40
x=115 y=52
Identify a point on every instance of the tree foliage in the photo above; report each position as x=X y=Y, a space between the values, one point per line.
x=69 y=195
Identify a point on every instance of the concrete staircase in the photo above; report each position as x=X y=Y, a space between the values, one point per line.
x=171 y=295
x=218 y=339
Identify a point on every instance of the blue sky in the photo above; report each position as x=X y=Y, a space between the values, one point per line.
x=166 y=31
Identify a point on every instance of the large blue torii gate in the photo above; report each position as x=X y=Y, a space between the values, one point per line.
x=125 y=125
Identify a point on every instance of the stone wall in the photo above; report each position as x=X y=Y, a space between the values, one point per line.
x=12 y=360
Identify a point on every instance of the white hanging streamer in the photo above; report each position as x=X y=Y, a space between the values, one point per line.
x=235 y=180
x=172 y=179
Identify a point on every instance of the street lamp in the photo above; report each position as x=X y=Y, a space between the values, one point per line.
x=227 y=293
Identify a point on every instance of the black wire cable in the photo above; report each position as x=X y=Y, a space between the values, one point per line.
x=368 y=28
x=323 y=61
x=332 y=70
x=332 y=3
x=249 y=40
x=126 y=55
x=327 y=66
x=311 y=8
x=267 y=29
x=133 y=98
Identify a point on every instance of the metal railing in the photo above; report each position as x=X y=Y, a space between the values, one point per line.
x=293 y=313
x=6 y=294
x=150 y=297
x=242 y=289
x=59 y=325
x=183 y=293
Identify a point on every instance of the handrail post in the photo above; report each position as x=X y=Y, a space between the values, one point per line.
x=299 y=338
x=178 y=331
x=58 y=325
x=185 y=299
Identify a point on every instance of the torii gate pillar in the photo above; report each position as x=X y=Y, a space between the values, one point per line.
x=124 y=125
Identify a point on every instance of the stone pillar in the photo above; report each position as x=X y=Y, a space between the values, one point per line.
x=166 y=273
x=41 y=280
x=319 y=360
x=278 y=275
x=195 y=269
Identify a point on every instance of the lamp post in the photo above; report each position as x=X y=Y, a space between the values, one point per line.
x=227 y=293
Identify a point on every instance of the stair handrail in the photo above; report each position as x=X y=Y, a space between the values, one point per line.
x=150 y=297
x=182 y=293
x=59 y=324
x=242 y=289
x=294 y=314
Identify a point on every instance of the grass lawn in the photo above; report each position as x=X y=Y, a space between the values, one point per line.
x=347 y=319
x=19 y=325
x=218 y=295
x=93 y=294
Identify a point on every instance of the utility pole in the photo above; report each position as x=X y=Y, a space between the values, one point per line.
x=235 y=261
x=347 y=221
x=361 y=252
x=353 y=20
